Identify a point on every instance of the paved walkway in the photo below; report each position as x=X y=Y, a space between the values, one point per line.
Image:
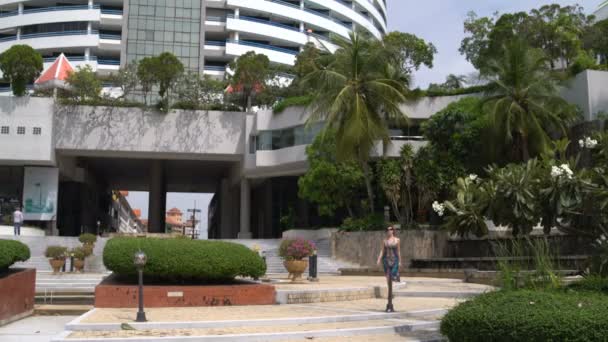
x=34 y=329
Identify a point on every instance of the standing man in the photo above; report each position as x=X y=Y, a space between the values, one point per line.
x=17 y=220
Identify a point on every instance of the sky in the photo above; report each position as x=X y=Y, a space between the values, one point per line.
x=441 y=22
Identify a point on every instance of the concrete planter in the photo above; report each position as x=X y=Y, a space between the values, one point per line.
x=56 y=264
x=79 y=265
x=17 y=291
x=295 y=268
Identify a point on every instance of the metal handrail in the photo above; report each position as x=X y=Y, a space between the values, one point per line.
x=215 y=42
x=59 y=8
x=215 y=68
x=72 y=59
x=111 y=11
x=262 y=21
x=108 y=62
x=110 y=36
x=263 y=46
x=58 y=33
x=215 y=18
x=312 y=12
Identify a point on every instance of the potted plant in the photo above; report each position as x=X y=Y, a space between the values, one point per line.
x=294 y=253
x=88 y=239
x=79 y=254
x=56 y=255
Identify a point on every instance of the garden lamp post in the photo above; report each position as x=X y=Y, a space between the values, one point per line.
x=139 y=259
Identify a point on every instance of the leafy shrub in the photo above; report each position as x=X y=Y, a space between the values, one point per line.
x=529 y=316
x=591 y=283
x=87 y=238
x=368 y=223
x=280 y=106
x=183 y=259
x=11 y=252
x=55 y=252
x=296 y=249
x=80 y=253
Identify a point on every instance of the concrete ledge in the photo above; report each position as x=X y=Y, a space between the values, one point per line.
x=333 y=295
x=438 y=294
x=398 y=328
x=77 y=325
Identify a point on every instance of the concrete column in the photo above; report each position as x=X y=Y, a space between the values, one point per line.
x=301 y=4
x=20 y=8
x=245 y=232
x=87 y=54
x=301 y=26
x=157 y=198
x=236 y=36
x=89 y=27
x=237 y=13
x=18 y=33
x=90 y=3
x=225 y=212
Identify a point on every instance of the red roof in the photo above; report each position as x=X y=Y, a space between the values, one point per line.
x=58 y=71
x=174 y=211
x=239 y=88
x=137 y=212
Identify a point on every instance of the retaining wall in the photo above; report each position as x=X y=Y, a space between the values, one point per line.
x=362 y=248
x=17 y=291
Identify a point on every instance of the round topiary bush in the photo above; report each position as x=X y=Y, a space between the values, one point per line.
x=87 y=238
x=183 y=259
x=529 y=316
x=12 y=251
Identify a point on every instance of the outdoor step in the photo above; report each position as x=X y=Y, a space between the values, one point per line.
x=64 y=299
x=61 y=310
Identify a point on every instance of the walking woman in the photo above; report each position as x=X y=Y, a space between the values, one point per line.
x=390 y=256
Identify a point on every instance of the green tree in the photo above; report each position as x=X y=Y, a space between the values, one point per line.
x=251 y=73
x=194 y=92
x=126 y=79
x=523 y=100
x=408 y=51
x=20 y=64
x=452 y=82
x=396 y=178
x=84 y=84
x=596 y=40
x=328 y=183
x=354 y=96
x=145 y=74
x=167 y=70
x=459 y=131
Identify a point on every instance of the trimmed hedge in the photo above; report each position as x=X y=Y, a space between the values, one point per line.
x=12 y=251
x=529 y=316
x=183 y=259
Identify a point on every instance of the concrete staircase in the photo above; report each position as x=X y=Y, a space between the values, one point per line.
x=326 y=264
x=67 y=288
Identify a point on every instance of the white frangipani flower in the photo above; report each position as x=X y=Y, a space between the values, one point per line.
x=562 y=170
x=473 y=177
x=587 y=143
x=439 y=208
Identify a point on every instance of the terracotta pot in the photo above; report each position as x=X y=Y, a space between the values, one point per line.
x=79 y=265
x=56 y=264
x=295 y=268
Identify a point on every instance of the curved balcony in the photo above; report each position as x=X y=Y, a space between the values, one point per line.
x=340 y=7
x=275 y=54
x=369 y=6
x=216 y=71
x=269 y=29
x=53 y=40
x=291 y=11
x=49 y=15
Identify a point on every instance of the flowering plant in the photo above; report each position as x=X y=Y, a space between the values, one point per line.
x=296 y=249
x=588 y=143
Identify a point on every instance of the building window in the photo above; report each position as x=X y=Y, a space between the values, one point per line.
x=21 y=130
x=4 y=130
x=37 y=130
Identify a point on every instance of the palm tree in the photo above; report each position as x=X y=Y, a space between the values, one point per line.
x=356 y=94
x=523 y=100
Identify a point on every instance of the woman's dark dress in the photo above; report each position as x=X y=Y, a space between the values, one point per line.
x=390 y=260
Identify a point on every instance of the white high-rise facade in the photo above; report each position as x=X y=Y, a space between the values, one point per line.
x=204 y=34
